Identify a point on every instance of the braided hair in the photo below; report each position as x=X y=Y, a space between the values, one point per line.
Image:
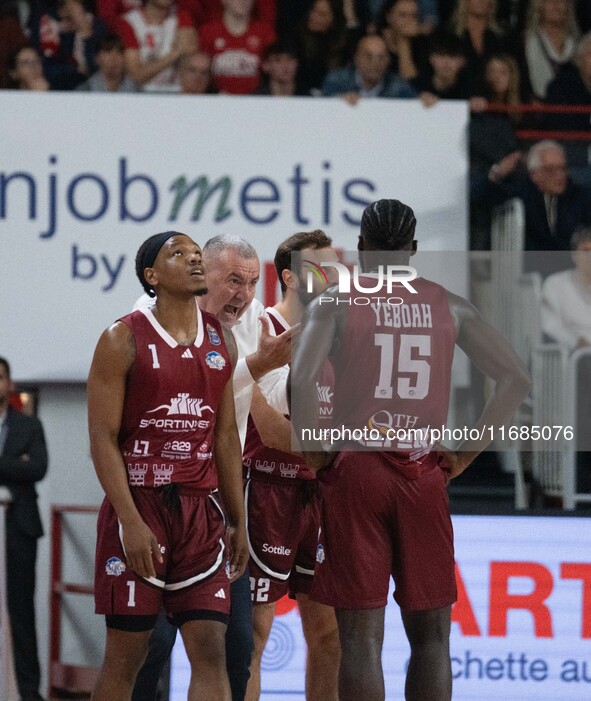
x=388 y=225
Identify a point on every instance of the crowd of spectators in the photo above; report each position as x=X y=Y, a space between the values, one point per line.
x=490 y=52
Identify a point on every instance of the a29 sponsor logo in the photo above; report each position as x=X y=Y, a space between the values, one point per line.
x=178 y=446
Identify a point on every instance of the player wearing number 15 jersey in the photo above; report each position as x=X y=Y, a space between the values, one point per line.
x=384 y=504
x=163 y=432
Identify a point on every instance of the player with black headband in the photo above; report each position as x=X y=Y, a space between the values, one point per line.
x=163 y=437
x=384 y=501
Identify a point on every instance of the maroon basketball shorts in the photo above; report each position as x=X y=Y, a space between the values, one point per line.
x=194 y=574
x=376 y=523
x=282 y=521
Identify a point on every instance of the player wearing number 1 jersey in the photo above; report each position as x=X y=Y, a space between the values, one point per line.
x=385 y=509
x=163 y=434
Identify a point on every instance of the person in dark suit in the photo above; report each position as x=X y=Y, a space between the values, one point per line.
x=554 y=205
x=23 y=461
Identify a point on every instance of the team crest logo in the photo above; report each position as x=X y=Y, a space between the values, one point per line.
x=115 y=566
x=214 y=337
x=215 y=361
x=320 y=553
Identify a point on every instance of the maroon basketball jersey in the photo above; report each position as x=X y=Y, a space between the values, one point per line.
x=393 y=366
x=263 y=461
x=171 y=400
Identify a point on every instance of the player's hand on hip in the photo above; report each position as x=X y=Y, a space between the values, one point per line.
x=456 y=460
x=141 y=547
x=238 y=551
x=318 y=459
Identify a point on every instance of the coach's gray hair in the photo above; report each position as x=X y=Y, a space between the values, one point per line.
x=533 y=157
x=218 y=244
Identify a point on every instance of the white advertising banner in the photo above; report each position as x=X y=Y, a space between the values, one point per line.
x=85 y=178
x=521 y=626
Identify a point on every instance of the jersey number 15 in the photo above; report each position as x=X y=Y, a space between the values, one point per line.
x=410 y=346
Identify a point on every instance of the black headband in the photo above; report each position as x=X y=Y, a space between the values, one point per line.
x=154 y=244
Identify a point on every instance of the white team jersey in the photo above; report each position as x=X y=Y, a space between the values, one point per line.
x=155 y=41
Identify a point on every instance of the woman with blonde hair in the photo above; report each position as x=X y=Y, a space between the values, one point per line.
x=502 y=82
x=550 y=41
x=474 y=21
x=494 y=149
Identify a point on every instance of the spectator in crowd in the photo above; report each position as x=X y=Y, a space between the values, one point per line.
x=66 y=33
x=566 y=297
x=111 y=11
x=554 y=205
x=572 y=86
x=550 y=41
x=25 y=70
x=325 y=43
x=492 y=134
x=13 y=37
x=428 y=16
x=280 y=68
x=201 y=11
x=23 y=461
x=110 y=76
x=474 y=21
x=493 y=142
x=195 y=74
x=566 y=319
x=511 y=16
x=443 y=78
x=78 y=32
x=236 y=44
x=204 y=11
x=584 y=15
x=399 y=27
x=368 y=75
x=155 y=38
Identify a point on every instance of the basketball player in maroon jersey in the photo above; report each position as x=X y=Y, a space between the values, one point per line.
x=163 y=435
x=385 y=509
x=281 y=502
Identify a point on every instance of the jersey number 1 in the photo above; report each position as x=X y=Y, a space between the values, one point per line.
x=153 y=351
x=406 y=364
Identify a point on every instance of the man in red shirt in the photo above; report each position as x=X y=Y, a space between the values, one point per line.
x=236 y=44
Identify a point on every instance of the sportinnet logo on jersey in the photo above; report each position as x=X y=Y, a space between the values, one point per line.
x=390 y=276
x=181 y=405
